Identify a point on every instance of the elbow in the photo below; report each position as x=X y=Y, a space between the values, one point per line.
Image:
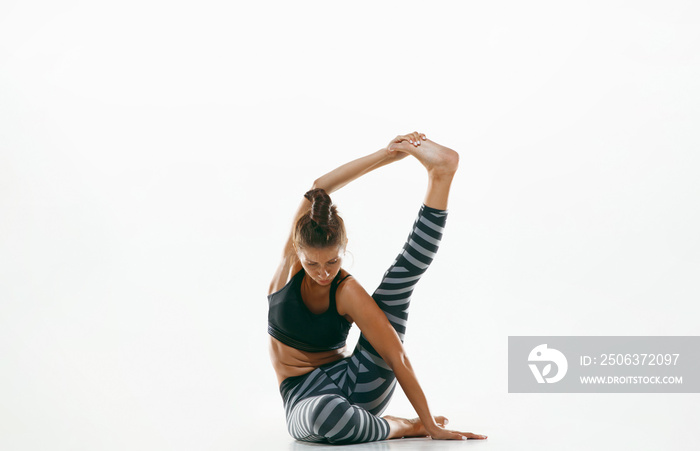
x=399 y=360
x=319 y=183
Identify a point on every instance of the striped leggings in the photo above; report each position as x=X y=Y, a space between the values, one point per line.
x=340 y=402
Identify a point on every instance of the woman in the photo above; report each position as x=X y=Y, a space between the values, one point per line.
x=330 y=396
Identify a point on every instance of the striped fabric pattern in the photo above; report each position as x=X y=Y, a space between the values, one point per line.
x=340 y=402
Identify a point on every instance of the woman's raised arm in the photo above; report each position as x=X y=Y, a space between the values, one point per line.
x=330 y=182
x=342 y=175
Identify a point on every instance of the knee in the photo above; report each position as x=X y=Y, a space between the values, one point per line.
x=334 y=418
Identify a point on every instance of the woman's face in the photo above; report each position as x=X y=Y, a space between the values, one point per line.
x=321 y=264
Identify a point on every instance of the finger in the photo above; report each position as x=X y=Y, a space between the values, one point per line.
x=394 y=142
x=410 y=137
x=416 y=135
x=399 y=139
x=423 y=136
x=466 y=435
x=457 y=436
x=473 y=436
x=401 y=147
x=447 y=435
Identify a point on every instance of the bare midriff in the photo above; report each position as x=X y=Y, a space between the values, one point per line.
x=288 y=361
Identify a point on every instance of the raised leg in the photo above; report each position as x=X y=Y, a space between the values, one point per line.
x=441 y=163
x=368 y=379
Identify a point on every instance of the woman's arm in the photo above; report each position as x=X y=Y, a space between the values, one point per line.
x=342 y=175
x=353 y=300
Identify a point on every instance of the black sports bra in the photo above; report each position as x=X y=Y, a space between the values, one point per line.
x=292 y=323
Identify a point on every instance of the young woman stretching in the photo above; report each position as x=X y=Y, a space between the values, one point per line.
x=330 y=396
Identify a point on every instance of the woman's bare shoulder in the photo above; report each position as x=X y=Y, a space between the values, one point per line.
x=289 y=266
x=349 y=291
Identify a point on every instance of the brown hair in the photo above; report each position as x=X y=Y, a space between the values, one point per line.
x=321 y=226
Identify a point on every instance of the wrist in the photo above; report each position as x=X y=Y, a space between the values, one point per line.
x=387 y=156
x=431 y=427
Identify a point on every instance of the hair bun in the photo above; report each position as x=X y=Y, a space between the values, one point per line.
x=321 y=206
x=321 y=226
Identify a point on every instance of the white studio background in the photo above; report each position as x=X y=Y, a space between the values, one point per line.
x=152 y=154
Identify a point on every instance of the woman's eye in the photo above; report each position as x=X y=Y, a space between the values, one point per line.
x=311 y=264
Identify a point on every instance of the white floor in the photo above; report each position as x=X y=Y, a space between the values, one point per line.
x=538 y=422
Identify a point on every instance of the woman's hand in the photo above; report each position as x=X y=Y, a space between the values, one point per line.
x=440 y=433
x=400 y=145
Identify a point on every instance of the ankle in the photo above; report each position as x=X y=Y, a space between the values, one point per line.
x=442 y=173
x=447 y=165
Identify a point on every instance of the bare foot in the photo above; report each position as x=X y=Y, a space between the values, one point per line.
x=402 y=427
x=438 y=160
x=441 y=163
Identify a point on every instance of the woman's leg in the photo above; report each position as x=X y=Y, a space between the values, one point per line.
x=318 y=411
x=369 y=380
x=333 y=419
x=374 y=381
